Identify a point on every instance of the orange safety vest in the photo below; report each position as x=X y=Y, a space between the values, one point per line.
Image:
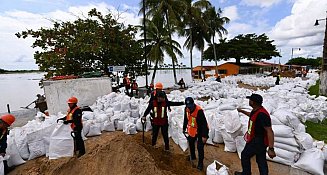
x=192 y=126
x=134 y=86
x=250 y=134
x=69 y=116
x=160 y=113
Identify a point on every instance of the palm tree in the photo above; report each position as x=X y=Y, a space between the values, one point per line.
x=170 y=11
x=191 y=19
x=215 y=23
x=159 y=43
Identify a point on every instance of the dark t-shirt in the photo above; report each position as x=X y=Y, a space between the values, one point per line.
x=262 y=121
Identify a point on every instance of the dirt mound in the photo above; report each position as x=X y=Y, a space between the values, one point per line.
x=116 y=153
x=112 y=153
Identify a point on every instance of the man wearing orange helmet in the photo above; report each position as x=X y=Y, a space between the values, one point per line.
x=5 y=121
x=74 y=116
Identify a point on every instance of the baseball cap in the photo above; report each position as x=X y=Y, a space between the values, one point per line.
x=256 y=98
x=189 y=102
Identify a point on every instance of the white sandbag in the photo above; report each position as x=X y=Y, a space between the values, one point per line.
x=311 y=160
x=130 y=128
x=35 y=144
x=182 y=142
x=2 y=168
x=139 y=126
x=287 y=118
x=227 y=106
x=86 y=128
x=282 y=131
x=232 y=121
x=117 y=106
x=148 y=126
x=304 y=139
x=110 y=112
x=21 y=141
x=218 y=137
x=275 y=120
x=287 y=141
x=95 y=129
x=109 y=126
x=135 y=113
x=46 y=137
x=286 y=147
x=212 y=169
x=88 y=115
x=12 y=151
x=287 y=155
x=125 y=106
x=280 y=160
x=211 y=136
x=240 y=144
x=61 y=142
x=120 y=125
x=230 y=145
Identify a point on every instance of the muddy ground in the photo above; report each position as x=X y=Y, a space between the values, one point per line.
x=117 y=153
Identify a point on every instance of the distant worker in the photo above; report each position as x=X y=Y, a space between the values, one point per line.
x=127 y=84
x=218 y=79
x=203 y=77
x=135 y=88
x=74 y=116
x=159 y=108
x=181 y=83
x=277 y=78
x=151 y=87
x=258 y=137
x=41 y=103
x=5 y=122
x=195 y=127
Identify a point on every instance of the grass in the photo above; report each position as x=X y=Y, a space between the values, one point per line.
x=317 y=130
x=314 y=90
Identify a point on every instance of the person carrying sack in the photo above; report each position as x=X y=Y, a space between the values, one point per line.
x=159 y=108
x=5 y=122
x=74 y=117
x=195 y=126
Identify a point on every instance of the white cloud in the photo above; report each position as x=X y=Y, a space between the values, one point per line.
x=18 y=54
x=231 y=12
x=261 y=3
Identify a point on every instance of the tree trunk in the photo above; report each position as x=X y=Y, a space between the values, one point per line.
x=215 y=55
x=202 y=73
x=154 y=72
x=191 y=56
x=171 y=46
x=323 y=74
x=238 y=60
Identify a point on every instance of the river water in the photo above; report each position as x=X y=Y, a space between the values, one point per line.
x=19 y=90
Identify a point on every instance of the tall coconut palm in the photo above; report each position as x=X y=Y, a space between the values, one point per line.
x=216 y=25
x=170 y=11
x=196 y=30
x=159 y=43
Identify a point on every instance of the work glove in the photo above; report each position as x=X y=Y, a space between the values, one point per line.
x=65 y=122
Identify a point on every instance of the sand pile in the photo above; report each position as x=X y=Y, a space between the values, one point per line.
x=113 y=153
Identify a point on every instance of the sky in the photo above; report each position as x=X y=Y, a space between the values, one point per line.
x=290 y=23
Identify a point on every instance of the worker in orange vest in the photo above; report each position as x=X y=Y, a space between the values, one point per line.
x=258 y=137
x=5 y=122
x=195 y=128
x=134 y=88
x=158 y=88
x=74 y=117
x=127 y=84
x=159 y=108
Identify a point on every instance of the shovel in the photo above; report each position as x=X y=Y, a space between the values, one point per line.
x=28 y=105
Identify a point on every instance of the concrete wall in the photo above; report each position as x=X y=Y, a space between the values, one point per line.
x=85 y=89
x=323 y=83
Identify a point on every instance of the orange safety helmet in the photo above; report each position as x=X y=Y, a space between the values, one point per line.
x=159 y=86
x=72 y=100
x=8 y=119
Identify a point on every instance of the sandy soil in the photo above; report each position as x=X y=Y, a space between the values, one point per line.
x=116 y=153
x=255 y=88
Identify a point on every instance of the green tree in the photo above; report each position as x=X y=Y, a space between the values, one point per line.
x=216 y=25
x=87 y=44
x=312 y=62
x=170 y=11
x=159 y=43
x=249 y=46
